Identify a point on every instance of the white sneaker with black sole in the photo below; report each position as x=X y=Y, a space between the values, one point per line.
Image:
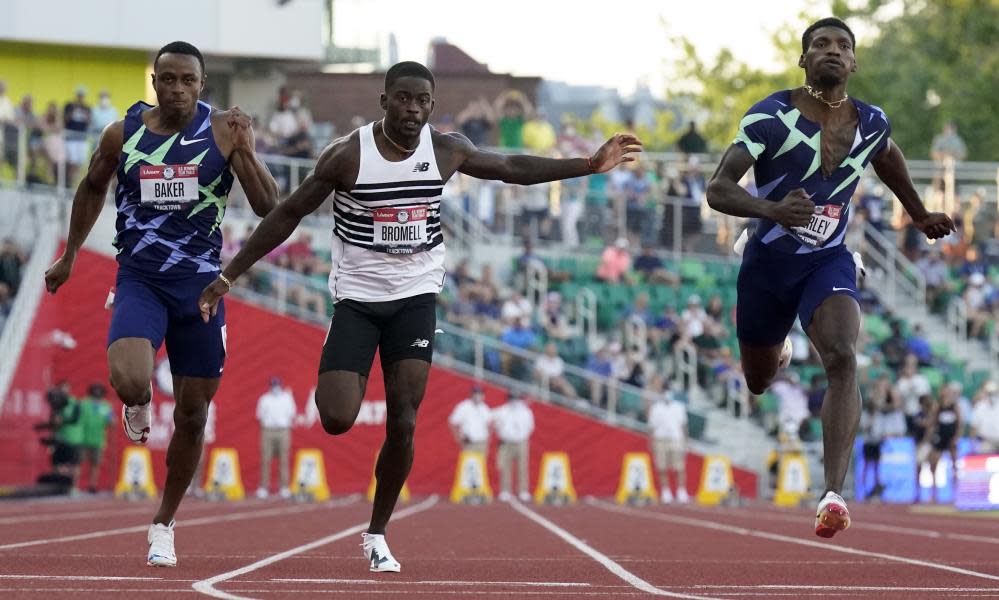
x=380 y=559
x=161 y=553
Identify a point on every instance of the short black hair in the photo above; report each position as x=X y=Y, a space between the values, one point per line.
x=827 y=22
x=407 y=69
x=182 y=48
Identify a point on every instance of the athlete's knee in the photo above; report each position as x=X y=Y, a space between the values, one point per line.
x=132 y=390
x=840 y=359
x=335 y=423
x=191 y=417
x=757 y=383
x=401 y=427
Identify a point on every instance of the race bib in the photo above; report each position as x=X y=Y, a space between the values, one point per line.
x=824 y=223
x=168 y=187
x=400 y=230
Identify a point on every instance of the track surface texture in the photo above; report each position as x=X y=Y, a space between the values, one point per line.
x=95 y=548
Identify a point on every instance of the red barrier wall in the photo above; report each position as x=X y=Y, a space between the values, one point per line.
x=262 y=344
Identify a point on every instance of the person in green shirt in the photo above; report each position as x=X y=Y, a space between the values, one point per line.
x=95 y=417
x=68 y=435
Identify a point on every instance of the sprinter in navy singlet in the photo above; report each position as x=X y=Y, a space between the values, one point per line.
x=809 y=147
x=174 y=164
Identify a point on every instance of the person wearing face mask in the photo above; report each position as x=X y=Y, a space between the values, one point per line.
x=103 y=114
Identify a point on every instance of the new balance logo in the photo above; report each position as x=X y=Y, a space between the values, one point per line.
x=418 y=343
x=421 y=167
x=185 y=142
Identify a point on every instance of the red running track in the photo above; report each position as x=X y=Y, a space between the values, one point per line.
x=95 y=548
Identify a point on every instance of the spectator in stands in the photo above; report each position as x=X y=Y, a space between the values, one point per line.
x=299 y=143
x=477 y=122
x=709 y=345
x=911 y=385
x=792 y=404
x=54 y=145
x=553 y=319
x=691 y=141
x=601 y=364
x=572 y=202
x=637 y=198
x=487 y=291
x=919 y=345
x=103 y=114
x=948 y=145
x=639 y=310
x=549 y=372
x=872 y=372
x=874 y=205
x=519 y=335
x=666 y=330
x=895 y=347
x=76 y=120
x=668 y=435
x=6 y=303
x=539 y=135
x=918 y=432
x=937 y=276
x=275 y=412
x=535 y=202
x=469 y=422
x=985 y=418
x=95 y=418
x=984 y=219
x=652 y=269
x=26 y=118
x=514 y=424
x=694 y=317
x=976 y=296
x=615 y=263
x=716 y=309
x=8 y=130
x=284 y=122
x=461 y=311
x=513 y=108
x=515 y=309
x=11 y=264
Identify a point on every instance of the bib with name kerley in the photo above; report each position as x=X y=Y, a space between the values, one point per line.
x=400 y=230
x=168 y=187
x=825 y=222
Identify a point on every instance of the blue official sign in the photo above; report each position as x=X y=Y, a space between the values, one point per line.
x=898 y=472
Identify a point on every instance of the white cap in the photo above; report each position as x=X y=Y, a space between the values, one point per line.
x=976 y=279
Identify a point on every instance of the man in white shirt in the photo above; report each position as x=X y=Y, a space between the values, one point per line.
x=985 y=419
x=549 y=368
x=514 y=423
x=515 y=308
x=911 y=385
x=469 y=422
x=275 y=412
x=668 y=438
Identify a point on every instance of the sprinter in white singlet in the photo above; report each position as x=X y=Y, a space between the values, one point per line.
x=388 y=255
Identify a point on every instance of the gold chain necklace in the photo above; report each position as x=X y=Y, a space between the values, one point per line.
x=398 y=147
x=817 y=96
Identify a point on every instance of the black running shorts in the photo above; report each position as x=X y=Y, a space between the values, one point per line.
x=399 y=329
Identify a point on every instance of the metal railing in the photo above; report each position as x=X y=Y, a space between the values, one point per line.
x=903 y=281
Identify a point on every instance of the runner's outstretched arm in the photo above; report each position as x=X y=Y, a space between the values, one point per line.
x=889 y=164
x=524 y=169
x=257 y=182
x=278 y=225
x=87 y=202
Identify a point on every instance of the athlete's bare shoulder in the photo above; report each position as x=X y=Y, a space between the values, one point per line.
x=340 y=161
x=451 y=148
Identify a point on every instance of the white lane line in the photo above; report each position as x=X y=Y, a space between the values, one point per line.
x=843 y=588
x=207 y=586
x=267 y=512
x=787 y=539
x=83 y=514
x=615 y=568
x=865 y=524
x=552 y=584
x=81 y=577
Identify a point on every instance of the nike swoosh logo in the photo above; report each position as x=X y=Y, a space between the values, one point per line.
x=839 y=289
x=870 y=135
x=184 y=142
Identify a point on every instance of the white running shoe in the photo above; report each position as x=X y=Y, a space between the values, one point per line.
x=666 y=497
x=681 y=496
x=525 y=497
x=262 y=494
x=284 y=493
x=858 y=261
x=160 y=538
x=504 y=497
x=740 y=244
x=136 y=421
x=831 y=516
x=380 y=559
x=785 y=354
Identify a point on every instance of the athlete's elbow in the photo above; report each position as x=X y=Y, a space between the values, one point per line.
x=714 y=193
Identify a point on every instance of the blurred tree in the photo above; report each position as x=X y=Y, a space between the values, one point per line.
x=931 y=61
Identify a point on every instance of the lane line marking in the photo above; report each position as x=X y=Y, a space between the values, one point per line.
x=849 y=588
x=148 y=508
x=787 y=539
x=439 y=582
x=81 y=577
x=615 y=568
x=207 y=586
x=186 y=523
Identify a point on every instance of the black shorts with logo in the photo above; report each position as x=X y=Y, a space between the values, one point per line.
x=399 y=329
